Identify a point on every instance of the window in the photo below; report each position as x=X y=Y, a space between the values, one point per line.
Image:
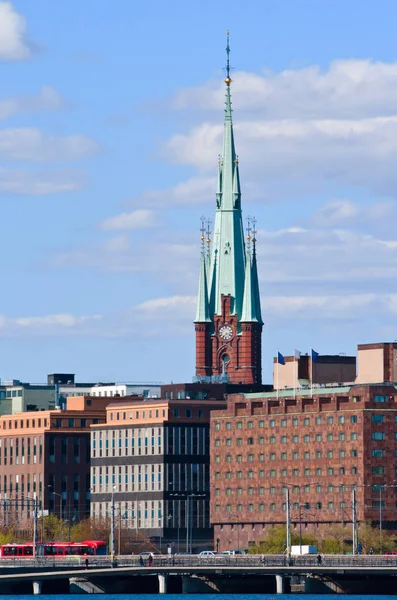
x=250 y=474
x=261 y=424
x=283 y=456
x=330 y=420
x=353 y=453
x=353 y=435
x=239 y=425
x=295 y=422
x=250 y=441
x=330 y=471
x=261 y=473
x=176 y=413
x=378 y=435
x=353 y=419
x=354 y=470
x=272 y=423
x=319 y=488
x=378 y=453
x=188 y=413
x=283 y=422
x=319 y=471
x=306 y=438
x=306 y=472
x=217 y=459
x=295 y=439
x=342 y=471
x=261 y=440
x=306 y=421
x=217 y=475
x=239 y=458
x=272 y=439
x=342 y=453
x=239 y=491
x=228 y=441
x=381 y=399
x=330 y=437
x=319 y=437
x=318 y=420
x=272 y=456
x=217 y=443
x=342 y=436
x=239 y=474
x=341 y=420
x=318 y=454
x=283 y=439
x=250 y=458
x=330 y=453
x=295 y=472
x=295 y=456
x=239 y=441
x=330 y=505
x=228 y=426
x=250 y=424
x=283 y=473
x=273 y=473
x=228 y=475
x=378 y=418
x=307 y=455
x=378 y=470
x=262 y=458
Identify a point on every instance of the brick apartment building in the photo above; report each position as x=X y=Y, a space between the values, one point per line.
x=47 y=454
x=319 y=446
x=151 y=458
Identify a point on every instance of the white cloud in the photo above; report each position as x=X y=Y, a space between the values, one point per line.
x=348 y=88
x=31 y=144
x=339 y=211
x=13 y=34
x=195 y=191
x=46 y=99
x=55 y=324
x=137 y=219
x=19 y=181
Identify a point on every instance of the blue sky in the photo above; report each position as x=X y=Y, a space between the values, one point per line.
x=110 y=128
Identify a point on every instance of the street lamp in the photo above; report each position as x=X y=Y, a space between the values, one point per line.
x=60 y=501
x=112 y=542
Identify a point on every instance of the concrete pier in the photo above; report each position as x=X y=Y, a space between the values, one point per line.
x=279 y=584
x=163 y=580
x=37 y=587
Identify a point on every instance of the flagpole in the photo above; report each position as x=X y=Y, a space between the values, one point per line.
x=311 y=371
x=277 y=373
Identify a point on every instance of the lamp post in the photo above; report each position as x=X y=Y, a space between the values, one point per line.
x=112 y=542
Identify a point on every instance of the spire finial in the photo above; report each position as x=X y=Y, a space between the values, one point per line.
x=202 y=229
x=249 y=231
x=208 y=240
x=228 y=80
x=254 y=232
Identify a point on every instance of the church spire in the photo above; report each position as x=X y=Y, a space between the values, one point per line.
x=228 y=251
x=251 y=312
x=202 y=311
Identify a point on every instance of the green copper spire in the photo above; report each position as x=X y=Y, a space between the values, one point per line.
x=251 y=312
x=228 y=251
x=202 y=311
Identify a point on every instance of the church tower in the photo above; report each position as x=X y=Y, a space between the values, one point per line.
x=228 y=320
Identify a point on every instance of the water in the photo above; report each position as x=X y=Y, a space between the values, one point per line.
x=201 y=597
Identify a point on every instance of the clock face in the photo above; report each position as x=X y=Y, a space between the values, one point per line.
x=226 y=332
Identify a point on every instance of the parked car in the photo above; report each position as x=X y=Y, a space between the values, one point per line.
x=208 y=553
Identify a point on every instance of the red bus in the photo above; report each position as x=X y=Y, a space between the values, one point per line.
x=54 y=549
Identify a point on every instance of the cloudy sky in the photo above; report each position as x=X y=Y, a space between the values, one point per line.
x=110 y=128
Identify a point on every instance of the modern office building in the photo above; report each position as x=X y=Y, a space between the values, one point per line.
x=150 y=460
x=47 y=454
x=319 y=445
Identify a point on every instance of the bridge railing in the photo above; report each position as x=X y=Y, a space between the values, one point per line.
x=194 y=560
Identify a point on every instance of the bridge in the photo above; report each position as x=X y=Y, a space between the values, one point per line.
x=333 y=571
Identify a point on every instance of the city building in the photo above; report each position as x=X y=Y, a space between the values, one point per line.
x=377 y=363
x=300 y=372
x=150 y=461
x=47 y=454
x=16 y=397
x=228 y=321
x=319 y=445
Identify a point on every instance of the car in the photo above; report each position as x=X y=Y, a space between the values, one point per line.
x=208 y=553
x=231 y=552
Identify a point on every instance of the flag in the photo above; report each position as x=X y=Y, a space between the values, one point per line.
x=280 y=359
x=314 y=355
x=297 y=354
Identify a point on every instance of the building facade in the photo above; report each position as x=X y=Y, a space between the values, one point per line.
x=228 y=321
x=318 y=447
x=46 y=455
x=150 y=461
x=300 y=372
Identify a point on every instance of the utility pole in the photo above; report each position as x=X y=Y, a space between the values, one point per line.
x=34 y=524
x=288 y=523
x=112 y=544
x=354 y=520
